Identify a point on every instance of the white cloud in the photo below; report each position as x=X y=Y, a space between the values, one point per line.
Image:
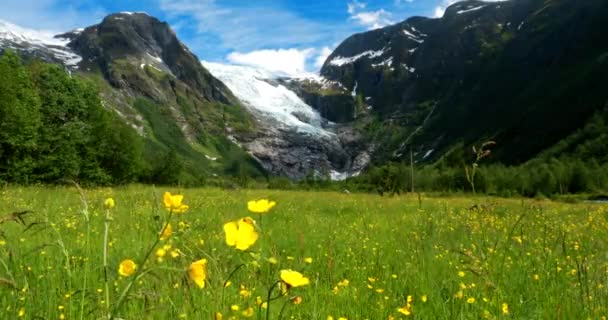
x=373 y=19
x=249 y=26
x=440 y=9
x=369 y=19
x=320 y=60
x=355 y=6
x=282 y=61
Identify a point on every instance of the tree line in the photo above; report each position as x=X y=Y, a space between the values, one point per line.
x=54 y=128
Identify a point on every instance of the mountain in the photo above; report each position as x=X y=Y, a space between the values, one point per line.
x=525 y=73
x=153 y=81
x=188 y=118
x=297 y=139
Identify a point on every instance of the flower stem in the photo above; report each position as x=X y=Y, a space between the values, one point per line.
x=228 y=279
x=141 y=267
x=105 y=263
x=268 y=300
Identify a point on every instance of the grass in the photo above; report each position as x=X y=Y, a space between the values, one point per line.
x=469 y=258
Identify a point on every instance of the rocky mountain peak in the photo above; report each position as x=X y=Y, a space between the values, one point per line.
x=143 y=40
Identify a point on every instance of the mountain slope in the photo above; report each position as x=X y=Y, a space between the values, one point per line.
x=152 y=81
x=525 y=73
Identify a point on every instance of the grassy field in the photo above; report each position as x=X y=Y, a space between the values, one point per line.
x=367 y=257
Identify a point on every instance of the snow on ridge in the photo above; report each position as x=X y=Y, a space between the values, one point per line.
x=388 y=62
x=412 y=37
x=427 y=154
x=408 y=69
x=273 y=102
x=469 y=10
x=340 y=61
x=317 y=78
x=42 y=39
x=15 y=33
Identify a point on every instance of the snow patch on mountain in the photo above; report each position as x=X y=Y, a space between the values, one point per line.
x=272 y=101
x=469 y=10
x=340 y=61
x=19 y=38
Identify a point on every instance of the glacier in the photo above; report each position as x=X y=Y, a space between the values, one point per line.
x=255 y=88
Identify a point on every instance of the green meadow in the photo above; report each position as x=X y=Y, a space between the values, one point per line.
x=366 y=256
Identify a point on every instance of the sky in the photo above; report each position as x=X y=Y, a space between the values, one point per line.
x=286 y=36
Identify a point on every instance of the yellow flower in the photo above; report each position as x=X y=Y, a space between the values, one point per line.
x=260 y=206
x=241 y=234
x=234 y=307
x=505 y=308
x=308 y=260
x=344 y=283
x=293 y=278
x=471 y=300
x=461 y=274
x=247 y=313
x=218 y=316
x=198 y=272
x=21 y=312
x=424 y=298
x=174 y=202
x=161 y=252
x=109 y=203
x=166 y=234
x=127 y=268
x=273 y=260
x=297 y=300
x=405 y=310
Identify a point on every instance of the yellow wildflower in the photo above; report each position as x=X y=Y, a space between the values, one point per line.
x=308 y=260
x=234 y=307
x=405 y=310
x=241 y=234
x=344 y=283
x=127 y=267
x=174 y=202
x=424 y=298
x=293 y=278
x=167 y=232
x=218 y=316
x=297 y=300
x=247 y=313
x=109 y=203
x=198 y=272
x=471 y=300
x=260 y=206
x=505 y=308
x=461 y=274
x=21 y=312
x=272 y=260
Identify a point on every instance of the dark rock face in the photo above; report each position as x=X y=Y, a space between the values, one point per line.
x=285 y=152
x=137 y=35
x=486 y=70
x=330 y=99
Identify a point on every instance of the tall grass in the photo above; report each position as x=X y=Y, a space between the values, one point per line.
x=365 y=256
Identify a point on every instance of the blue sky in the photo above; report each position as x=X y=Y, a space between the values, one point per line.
x=285 y=35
